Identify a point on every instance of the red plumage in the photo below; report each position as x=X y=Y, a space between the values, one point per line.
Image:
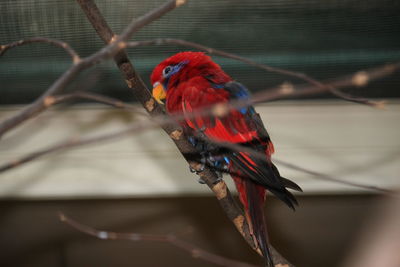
x=192 y=81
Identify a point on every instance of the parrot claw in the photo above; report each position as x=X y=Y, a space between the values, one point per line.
x=191 y=169
x=197 y=170
x=201 y=166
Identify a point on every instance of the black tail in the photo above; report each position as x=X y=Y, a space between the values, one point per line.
x=255 y=202
x=265 y=174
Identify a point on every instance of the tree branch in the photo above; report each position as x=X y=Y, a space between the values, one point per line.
x=171 y=239
x=74 y=55
x=299 y=75
x=316 y=175
x=358 y=79
x=73 y=143
x=99 y=99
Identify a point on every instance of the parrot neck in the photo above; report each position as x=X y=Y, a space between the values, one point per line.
x=174 y=100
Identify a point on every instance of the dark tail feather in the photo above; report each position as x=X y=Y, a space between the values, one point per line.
x=286 y=182
x=255 y=202
x=290 y=184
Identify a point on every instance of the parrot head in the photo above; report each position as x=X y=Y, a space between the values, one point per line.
x=178 y=69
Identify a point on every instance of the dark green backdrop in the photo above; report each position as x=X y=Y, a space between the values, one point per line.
x=320 y=37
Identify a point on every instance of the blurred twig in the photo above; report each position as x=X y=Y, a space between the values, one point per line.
x=98 y=99
x=73 y=143
x=171 y=239
x=302 y=76
x=74 y=55
x=314 y=174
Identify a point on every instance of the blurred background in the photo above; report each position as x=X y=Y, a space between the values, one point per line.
x=141 y=184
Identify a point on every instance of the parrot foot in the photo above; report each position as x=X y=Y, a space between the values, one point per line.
x=193 y=170
x=198 y=167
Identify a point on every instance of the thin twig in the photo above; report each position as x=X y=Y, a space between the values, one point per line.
x=314 y=174
x=359 y=78
x=73 y=143
x=325 y=177
x=99 y=99
x=289 y=90
x=171 y=239
x=74 y=55
x=299 y=75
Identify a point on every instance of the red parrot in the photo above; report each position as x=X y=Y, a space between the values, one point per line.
x=190 y=81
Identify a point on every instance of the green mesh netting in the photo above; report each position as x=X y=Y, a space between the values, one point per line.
x=321 y=38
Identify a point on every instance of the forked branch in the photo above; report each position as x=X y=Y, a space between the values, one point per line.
x=74 y=55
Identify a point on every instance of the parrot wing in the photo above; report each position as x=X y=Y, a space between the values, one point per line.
x=241 y=126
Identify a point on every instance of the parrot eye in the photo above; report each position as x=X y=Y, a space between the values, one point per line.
x=166 y=71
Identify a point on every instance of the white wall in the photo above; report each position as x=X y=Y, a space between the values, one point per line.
x=347 y=141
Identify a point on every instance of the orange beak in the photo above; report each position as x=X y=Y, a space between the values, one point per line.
x=159 y=93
